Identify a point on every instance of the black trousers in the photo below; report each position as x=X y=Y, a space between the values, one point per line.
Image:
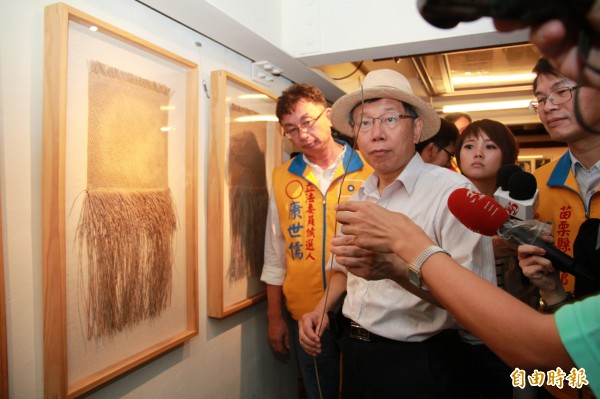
x=383 y=369
x=489 y=376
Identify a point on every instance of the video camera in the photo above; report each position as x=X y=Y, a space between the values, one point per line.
x=447 y=14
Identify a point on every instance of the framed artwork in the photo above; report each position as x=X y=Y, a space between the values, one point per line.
x=526 y=164
x=531 y=163
x=119 y=201
x=541 y=162
x=3 y=335
x=245 y=146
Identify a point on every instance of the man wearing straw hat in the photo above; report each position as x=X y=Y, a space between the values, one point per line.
x=397 y=342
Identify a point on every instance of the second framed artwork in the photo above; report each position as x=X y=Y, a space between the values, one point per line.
x=245 y=146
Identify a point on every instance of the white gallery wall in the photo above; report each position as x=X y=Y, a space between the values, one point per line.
x=230 y=358
x=320 y=32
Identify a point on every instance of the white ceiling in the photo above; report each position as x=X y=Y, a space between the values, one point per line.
x=297 y=35
x=330 y=38
x=434 y=78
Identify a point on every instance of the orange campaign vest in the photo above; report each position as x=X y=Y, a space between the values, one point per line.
x=561 y=204
x=307 y=220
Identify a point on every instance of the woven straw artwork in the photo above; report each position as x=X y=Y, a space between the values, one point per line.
x=128 y=220
x=248 y=194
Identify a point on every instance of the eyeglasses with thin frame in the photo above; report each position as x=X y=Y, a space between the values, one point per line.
x=304 y=126
x=451 y=155
x=389 y=120
x=556 y=97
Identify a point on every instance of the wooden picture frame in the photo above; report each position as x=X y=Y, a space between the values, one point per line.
x=3 y=333
x=245 y=146
x=74 y=363
x=526 y=164
x=531 y=163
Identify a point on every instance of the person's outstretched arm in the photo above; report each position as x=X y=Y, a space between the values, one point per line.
x=521 y=336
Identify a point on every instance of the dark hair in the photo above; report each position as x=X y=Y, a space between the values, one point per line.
x=543 y=67
x=498 y=132
x=454 y=116
x=448 y=134
x=299 y=91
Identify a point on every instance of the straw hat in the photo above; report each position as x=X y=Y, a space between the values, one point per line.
x=384 y=83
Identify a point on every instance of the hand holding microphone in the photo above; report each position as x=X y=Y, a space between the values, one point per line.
x=484 y=215
x=517 y=193
x=541 y=273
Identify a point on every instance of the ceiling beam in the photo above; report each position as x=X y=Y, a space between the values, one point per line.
x=209 y=21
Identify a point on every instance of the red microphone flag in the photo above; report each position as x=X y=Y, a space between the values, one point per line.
x=478 y=212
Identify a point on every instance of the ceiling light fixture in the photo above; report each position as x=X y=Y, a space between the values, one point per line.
x=257 y=118
x=487 y=79
x=486 y=106
x=254 y=97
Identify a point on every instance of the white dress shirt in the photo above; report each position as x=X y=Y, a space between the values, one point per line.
x=421 y=192
x=587 y=179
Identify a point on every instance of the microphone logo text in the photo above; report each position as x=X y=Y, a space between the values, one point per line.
x=512 y=208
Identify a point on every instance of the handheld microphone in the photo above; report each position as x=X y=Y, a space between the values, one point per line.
x=517 y=192
x=484 y=215
x=504 y=174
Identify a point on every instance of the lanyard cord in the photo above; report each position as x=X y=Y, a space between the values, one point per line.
x=335 y=228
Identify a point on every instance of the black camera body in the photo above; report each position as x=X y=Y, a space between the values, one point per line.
x=447 y=14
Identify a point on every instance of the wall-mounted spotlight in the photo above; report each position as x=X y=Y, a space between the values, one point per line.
x=265 y=72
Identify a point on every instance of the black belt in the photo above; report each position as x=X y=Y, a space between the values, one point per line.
x=357 y=332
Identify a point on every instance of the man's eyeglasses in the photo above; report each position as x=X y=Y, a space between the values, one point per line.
x=445 y=150
x=304 y=127
x=556 y=97
x=388 y=121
